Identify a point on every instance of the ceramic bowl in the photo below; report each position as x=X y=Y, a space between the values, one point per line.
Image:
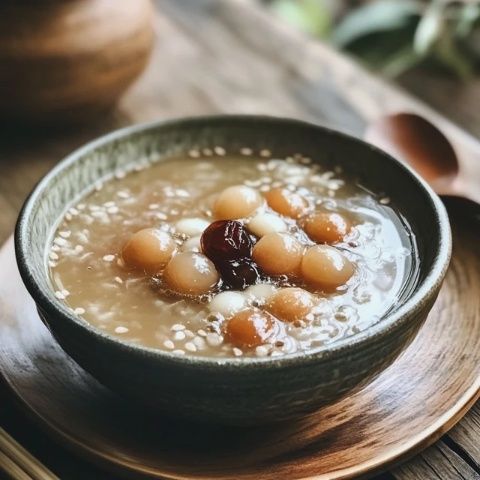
x=235 y=390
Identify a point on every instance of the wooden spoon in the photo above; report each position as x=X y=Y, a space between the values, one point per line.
x=414 y=140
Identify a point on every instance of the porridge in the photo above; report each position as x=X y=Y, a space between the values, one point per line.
x=231 y=255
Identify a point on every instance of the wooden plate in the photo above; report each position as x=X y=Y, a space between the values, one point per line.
x=410 y=405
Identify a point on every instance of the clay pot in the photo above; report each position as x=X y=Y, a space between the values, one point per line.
x=68 y=60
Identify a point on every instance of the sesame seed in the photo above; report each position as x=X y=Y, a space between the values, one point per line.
x=60 y=295
x=169 y=344
x=79 y=311
x=109 y=204
x=261 y=351
x=265 y=152
x=179 y=336
x=207 y=152
x=118 y=280
x=78 y=248
x=246 y=151
x=190 y=347
x=123 y=194
x=55 y=248
x=53 y=256
x=65 y=293
x=177 y=327
x=199 y=342
x=121 y=329
x=120 y=174
x=65 y=233
x=112 y=210
x=109 y=258
x=153 y=206
x=201 y=332
x=180 y=192
x=237 y=352
x=214 y=339
x=60 y=241
x=219 y=151
x=385 y=201
x=194 y=153
x=179 y=352
x=52 y=264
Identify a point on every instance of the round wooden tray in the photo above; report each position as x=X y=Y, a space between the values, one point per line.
x=406 y=408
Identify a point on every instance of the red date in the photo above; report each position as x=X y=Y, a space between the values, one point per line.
x=226 y=240
x=239 y=274
x=229 y=246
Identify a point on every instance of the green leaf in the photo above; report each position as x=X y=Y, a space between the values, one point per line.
x=400 y=62
x=448 y=54
x=377 y=50
x=374 y=17
x=430 y=28
x=468 y=18
x=311 y=16
x=472 y=45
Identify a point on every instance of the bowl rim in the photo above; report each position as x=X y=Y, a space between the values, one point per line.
x=391 y=321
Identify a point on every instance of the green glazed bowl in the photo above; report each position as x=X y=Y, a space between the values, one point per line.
x=235 y=390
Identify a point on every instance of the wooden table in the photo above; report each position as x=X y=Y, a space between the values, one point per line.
x=226 y=56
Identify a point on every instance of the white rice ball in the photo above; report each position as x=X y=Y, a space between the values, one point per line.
x=260 y=293
x=264 y=223
x=228 y=303
x=191 y=226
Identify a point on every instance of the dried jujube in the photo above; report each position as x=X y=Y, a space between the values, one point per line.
x=226 y=240
x=229 y=246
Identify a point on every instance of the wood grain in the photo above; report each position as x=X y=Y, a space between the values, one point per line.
x=15 y=459
x=226 y=56
x=441 y=463
x=407 y=407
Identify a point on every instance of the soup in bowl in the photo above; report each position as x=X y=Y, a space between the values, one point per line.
x=233 y=269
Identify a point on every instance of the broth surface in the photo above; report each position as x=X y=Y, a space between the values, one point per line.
x=88 y=273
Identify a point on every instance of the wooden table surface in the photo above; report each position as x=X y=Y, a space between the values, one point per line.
x=225 y=56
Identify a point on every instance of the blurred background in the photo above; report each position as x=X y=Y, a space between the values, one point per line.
x=429 y=47
x=71 y=60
